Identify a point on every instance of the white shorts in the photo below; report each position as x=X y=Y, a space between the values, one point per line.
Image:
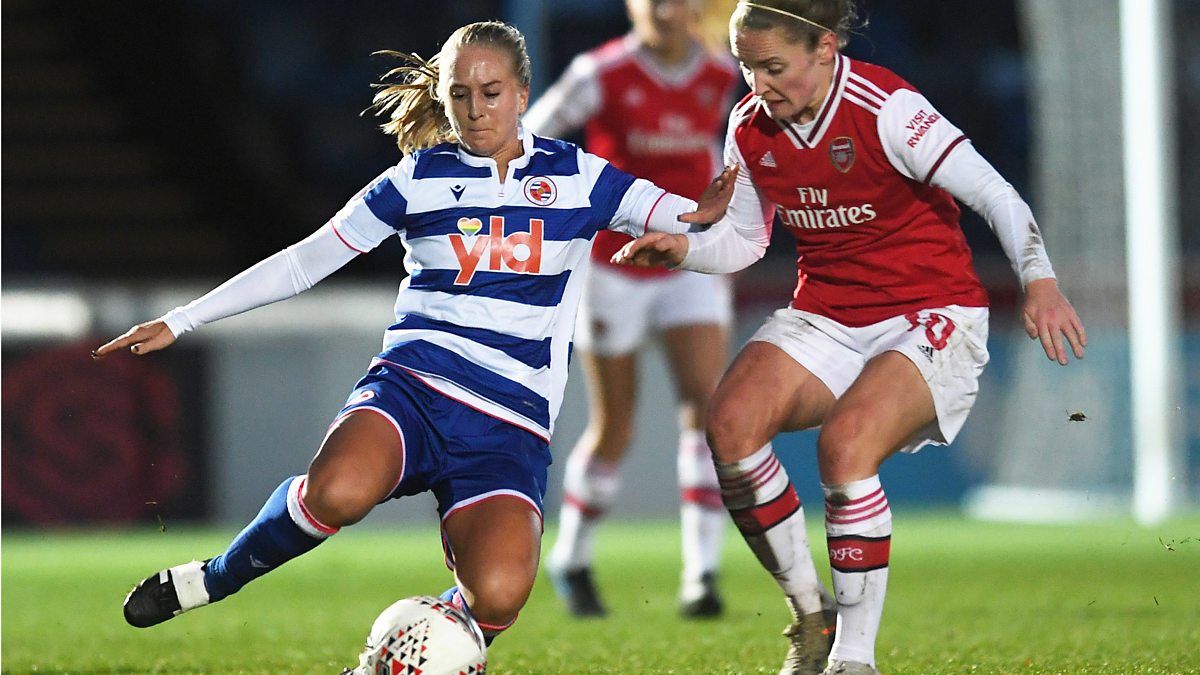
x=947 y=344
x=619 y=310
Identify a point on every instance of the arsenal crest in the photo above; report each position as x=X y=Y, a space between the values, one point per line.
x=841 y=153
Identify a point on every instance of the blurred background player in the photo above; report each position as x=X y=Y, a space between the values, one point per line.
x=886 y=336
x=653 y=103
x=462 y=399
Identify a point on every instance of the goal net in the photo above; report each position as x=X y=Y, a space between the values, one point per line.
x=1061 y=446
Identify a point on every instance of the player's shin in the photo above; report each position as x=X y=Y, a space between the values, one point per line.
x=282 y=530
x=858 y=525
x=767 y=511
x=589 y=487
x=702 y=514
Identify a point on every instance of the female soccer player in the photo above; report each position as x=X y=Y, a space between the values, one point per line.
x=652 y=103
x=886 y=334
x=462 y=399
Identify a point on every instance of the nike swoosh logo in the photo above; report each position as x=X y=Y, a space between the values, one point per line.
x=255 y=562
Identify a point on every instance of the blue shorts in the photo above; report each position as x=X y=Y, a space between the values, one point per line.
x=459 y=453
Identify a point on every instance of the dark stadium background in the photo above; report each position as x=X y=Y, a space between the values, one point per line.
x=155 y=140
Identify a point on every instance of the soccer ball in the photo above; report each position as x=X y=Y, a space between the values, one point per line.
x=423 y=635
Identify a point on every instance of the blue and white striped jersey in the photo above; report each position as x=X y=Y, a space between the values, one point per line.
x=487 y=312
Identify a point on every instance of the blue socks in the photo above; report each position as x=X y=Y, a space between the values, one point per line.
x=282 y=530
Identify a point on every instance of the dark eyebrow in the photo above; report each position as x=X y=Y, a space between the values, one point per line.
x=493 y=83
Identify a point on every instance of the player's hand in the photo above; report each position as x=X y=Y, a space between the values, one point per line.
x=715 y=199
x=141 y=339
x=654 y=249
x=1049 y=317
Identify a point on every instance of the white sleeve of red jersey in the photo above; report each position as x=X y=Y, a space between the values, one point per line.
x=974 y=182
x=915 y=136
x=289 y=272
x=923 y=145
x=740 y=238
x=569 y=103
x=649 y=208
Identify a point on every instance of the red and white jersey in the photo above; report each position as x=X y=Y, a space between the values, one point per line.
x=653 y=121
x=874 y=238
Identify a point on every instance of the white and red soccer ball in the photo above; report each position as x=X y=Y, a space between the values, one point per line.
x=423 y=635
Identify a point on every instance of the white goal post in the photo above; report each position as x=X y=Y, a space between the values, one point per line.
x=1105 y=177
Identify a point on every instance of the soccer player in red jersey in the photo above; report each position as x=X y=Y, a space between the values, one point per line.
x=652 y=102
x=886 y=334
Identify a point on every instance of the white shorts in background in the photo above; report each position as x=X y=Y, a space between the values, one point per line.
x=947 y=344
x=619 y=310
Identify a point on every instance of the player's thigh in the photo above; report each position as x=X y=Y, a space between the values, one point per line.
x=765 y=391
x=696 y=354
x=693 y=313
x=356 y=467
x=612 y=392
x=496 y=544
x=886 y=406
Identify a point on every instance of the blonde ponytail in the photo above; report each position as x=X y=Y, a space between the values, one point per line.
x=408 y=96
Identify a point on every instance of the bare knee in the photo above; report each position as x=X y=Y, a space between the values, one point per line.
x=844 y=452
x=337 y=500
x=729 y=436
x=609 y=439
x=497 y=593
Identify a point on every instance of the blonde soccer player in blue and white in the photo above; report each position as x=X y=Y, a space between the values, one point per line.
x=462 y=399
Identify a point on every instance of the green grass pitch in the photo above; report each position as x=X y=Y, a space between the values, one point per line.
x=964 y=597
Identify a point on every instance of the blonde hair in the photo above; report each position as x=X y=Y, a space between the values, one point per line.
x=713 y=24
x=808 y=20
x=411 y=95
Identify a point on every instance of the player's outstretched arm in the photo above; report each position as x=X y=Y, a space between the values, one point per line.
x=1049 y=317
x=141 y=339
x=280 y=276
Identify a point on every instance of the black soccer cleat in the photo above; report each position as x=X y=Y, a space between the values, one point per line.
x=701 y=601
x=576 y=588
x=166 y=594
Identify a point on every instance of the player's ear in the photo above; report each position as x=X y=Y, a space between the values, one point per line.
x=827 y=48
x=524 y=100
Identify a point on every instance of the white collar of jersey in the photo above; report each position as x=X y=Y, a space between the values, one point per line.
x=673 y=75
x=517 y=163
x=809 y=134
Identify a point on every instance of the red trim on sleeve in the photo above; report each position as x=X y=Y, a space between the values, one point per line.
x=343 y=239
x=646 y=226
x=945 y=153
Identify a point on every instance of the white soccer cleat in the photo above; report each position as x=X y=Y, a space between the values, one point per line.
x=837 y=667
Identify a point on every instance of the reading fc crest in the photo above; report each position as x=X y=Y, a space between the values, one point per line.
x=841 y=153
x=541 y=191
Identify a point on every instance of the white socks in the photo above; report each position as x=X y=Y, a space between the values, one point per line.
x=589 y=488
x=701 y=513
x=858 y=526
x=767 y=512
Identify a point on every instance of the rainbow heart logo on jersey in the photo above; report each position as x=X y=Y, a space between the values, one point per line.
x=518 y=252
x=541 y=191
x=841 y=153
x=470 y=226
